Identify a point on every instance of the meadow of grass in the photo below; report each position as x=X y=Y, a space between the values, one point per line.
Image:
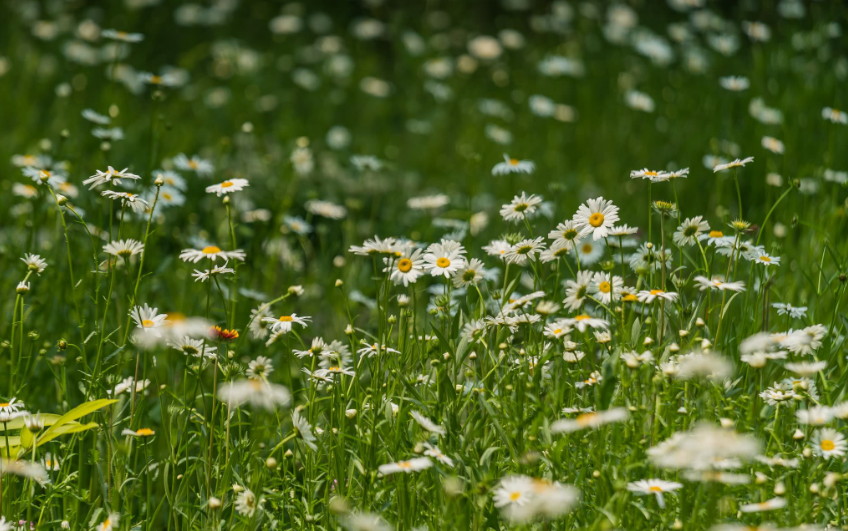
x=377 y=265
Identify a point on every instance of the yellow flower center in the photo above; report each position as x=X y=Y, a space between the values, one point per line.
x=585 y=418
x=654 y=488
x=513 y=162
x=604 y=287
x=226 y=184
x=4 y=404
x=404 y=265
x=514 y=496
x=405 y=464
x=147 y=323
x=156 y=79
x=656 y=291
x=651 y=173
x=443 y=262
x=587 y=248
x=144 y=432
x=716 y=234
x=166 y=196
x=211 y=250
x=596 y=219
x=582 y=318
x=192 y=164
x=286 y=319
x=765 y=259
x=558 y=331
x=827 y=445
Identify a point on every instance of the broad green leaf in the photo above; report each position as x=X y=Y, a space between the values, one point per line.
x=74 y=414
x=13 y=441
x=26 y=438
x=18 y=423
x=64 y=430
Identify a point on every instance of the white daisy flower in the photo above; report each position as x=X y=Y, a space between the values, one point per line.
x=513 y=490
x=589 y=251
x=829 y=443
x=651 y=175
x=649 y=296
x=304 y=430
x=733 y=164
x=565 y=235
x=577 y=290
x=510 y=165
x=149 y=319
x=521 y=207
x=94 y=117
x=768 y=505
x=326 y=209
x=211 y=252
x=767 y=260
x=772 y=144
x=657 y=487
x=596 y=217
x=593 y=419
x=110 y=524
x=123 y=248
x=734 y=83
x=498 y=248
x=286 y=322
x=256 y=392
x=122 y=36
x=795 y=312
x=434 y=452
x=426 y=423
x=246 y=503
x=34 y=262
x=606 y=287
x=471 y=273
x=206 y=274
x=406 y=269
x=690 y=231
x=203 y=168
x=835 y=115
x=43 y=175
x=110 y=176
x=135 y=201
x=583 y=322
x=815 y=416
x=524 y=250
x=228 y=187
x=197 y=348
x=444 y=259
x=718 y=284
x=413 y=465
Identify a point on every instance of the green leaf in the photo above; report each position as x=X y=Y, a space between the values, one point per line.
x=13 y=441
x=18 y=423
x=72 y=415
x=26 y=438
x=488 y=455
